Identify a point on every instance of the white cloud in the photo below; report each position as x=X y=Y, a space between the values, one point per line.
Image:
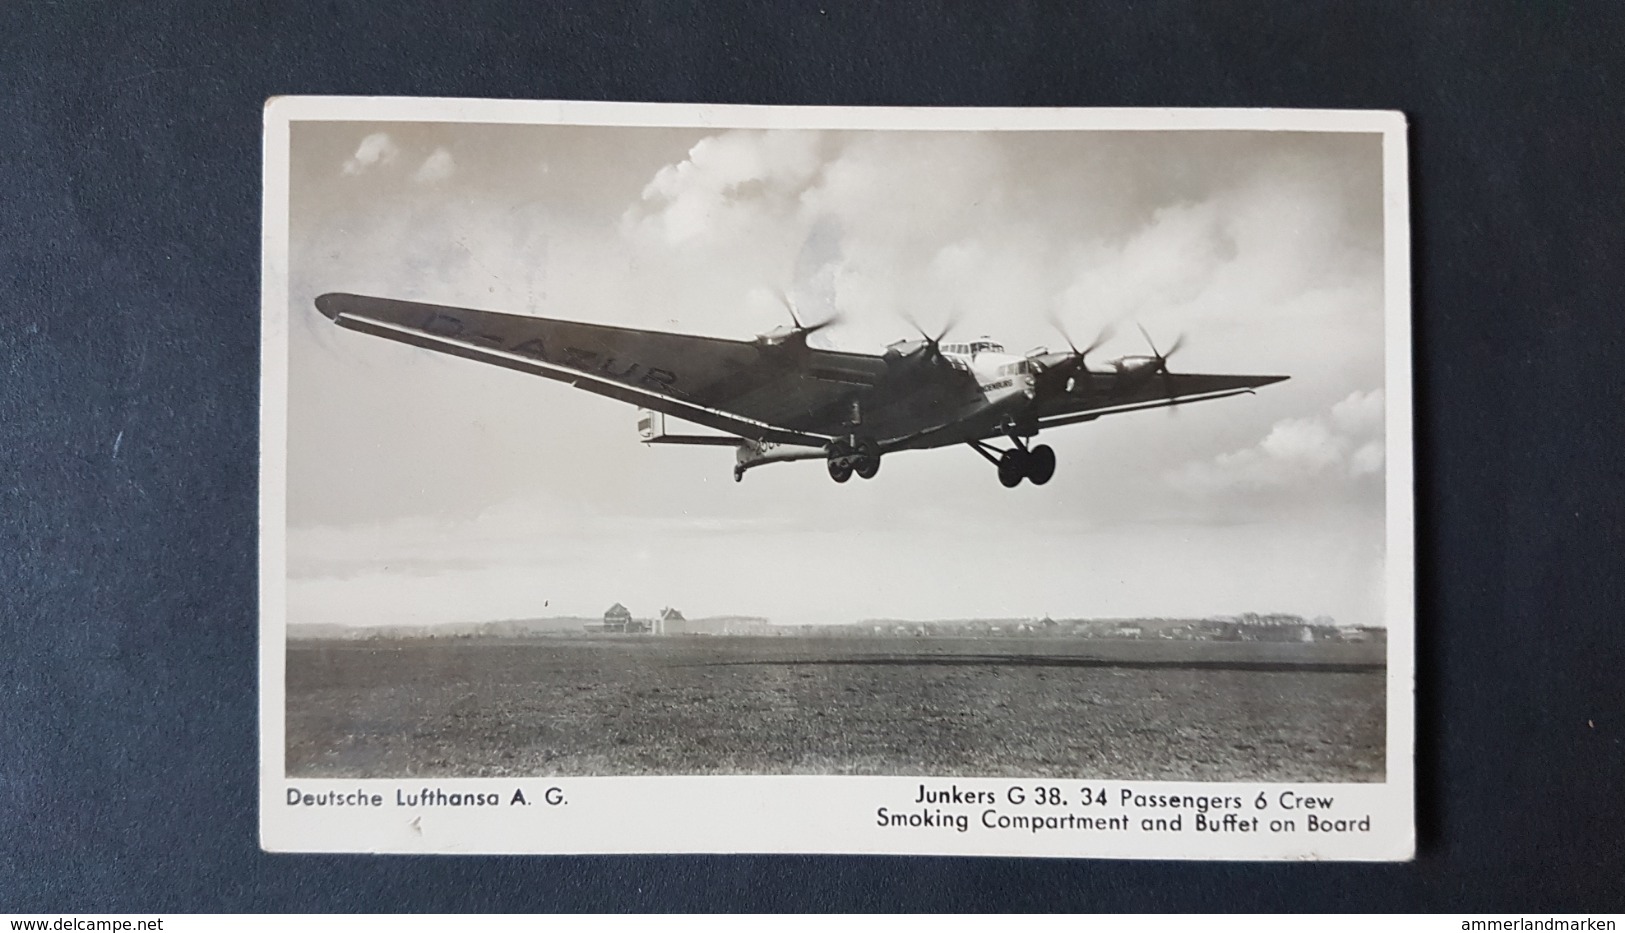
x=726 y=182
x=1314 y=453
x=376 y=149
x=1367 y=460
x=1167 y=262
x=1361 y=413
x=439 y=166
x=976 y=228
x=874 y=227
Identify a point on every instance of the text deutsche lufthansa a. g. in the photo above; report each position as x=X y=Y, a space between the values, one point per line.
x=422 y=798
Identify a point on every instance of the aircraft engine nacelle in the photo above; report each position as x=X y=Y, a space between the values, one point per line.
x=904 y=348
x=779 y=336
x=906 y=356
x=1058 y=371
x=1136 y=368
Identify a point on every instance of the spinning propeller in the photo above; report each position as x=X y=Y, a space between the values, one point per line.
x=1160 y=366
x=1068 y=367
x=805 y=329
x=933 y=345
x=781 y=335
x=1100 y=338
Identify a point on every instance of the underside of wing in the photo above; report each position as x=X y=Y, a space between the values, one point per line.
x=717 y=383
x=1106 y=394
x=785 y=392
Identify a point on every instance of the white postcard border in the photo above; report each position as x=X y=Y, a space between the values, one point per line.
x=829 y=814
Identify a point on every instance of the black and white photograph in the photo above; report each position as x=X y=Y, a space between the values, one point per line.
x=853 y=480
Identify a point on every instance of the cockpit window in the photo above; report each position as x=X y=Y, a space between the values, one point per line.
x=972 y=348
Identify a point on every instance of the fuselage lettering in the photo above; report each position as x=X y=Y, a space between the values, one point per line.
x=577 y=358
x=532 y=348
x=609 y=370
x=443 y=325
x=657 y=378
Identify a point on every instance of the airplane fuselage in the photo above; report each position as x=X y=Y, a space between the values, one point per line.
x=1008 y=383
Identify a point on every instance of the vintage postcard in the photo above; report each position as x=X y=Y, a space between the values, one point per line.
x=655 y=478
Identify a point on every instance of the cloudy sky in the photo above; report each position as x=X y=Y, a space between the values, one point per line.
x=423 y=488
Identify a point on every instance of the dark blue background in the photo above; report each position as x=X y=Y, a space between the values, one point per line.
x=129 y=302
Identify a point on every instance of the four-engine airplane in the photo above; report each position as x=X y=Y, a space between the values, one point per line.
x=780 y=399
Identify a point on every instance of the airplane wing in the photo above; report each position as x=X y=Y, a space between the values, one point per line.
x=1101 y=395
x=788 y=393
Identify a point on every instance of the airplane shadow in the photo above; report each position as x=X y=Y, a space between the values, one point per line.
x=1041 y=661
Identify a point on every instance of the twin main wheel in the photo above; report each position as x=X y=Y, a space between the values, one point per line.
x=844 y=461
x=1036 y=466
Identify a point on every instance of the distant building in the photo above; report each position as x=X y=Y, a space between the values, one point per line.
x=618 y=620
x=669 y=617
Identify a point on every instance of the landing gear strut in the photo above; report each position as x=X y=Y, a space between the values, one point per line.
x=1035 y=465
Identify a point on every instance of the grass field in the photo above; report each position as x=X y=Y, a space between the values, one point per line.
x=1028 y=707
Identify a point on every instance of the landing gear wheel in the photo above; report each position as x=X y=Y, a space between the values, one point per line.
x=1012 y=467
x=839 y=472
x=1040 y=464
x=868 y=463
